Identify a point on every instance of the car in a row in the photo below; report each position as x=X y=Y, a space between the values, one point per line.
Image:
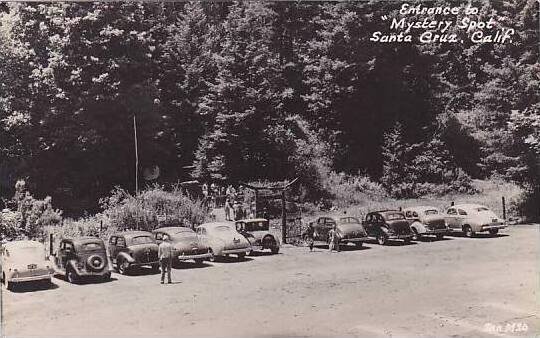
x=408 y=224
x=89 y=257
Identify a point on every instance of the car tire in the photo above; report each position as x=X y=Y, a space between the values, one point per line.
x=123 y=266
x=416 y=235
x=241 y=256
x=274 y=249
x=439 y=236
x=468 y=231
x=407 y=241
x=359 y=244
x=71 y=276
x=382 y=239
x=9 y=285
x=199 y=261
x=493 y=232
x=155 y=267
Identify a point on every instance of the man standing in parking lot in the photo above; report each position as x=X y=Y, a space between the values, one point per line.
x=165 y=252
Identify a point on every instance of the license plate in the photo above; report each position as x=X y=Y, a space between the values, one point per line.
x=32 y=266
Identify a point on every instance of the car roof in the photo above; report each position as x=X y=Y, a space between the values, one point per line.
x=85 y=240
x=337 y=218
x=253 y=220
x=134 y=233
x=173 y=229
x=216 y=224
x=421 y=208
x=22 y=244
x=386 y=211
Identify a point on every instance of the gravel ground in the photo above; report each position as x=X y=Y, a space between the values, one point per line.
x=453 y=287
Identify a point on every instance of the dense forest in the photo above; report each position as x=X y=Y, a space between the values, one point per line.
x=247 y=91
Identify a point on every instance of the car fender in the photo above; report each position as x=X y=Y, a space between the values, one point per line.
x=72 y=263
x=125 y=256
x=217 y=245
x=419 y=226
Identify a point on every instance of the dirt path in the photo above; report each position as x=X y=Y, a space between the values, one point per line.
x=453 y=287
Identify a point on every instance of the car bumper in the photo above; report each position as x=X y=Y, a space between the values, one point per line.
x=236 y=251
x=355 y=239
x=435 y=231
x=30 y=278
x=492 y=227
x=199 y=256
x=394 y=236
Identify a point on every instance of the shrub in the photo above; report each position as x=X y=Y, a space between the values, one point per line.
x=152 y=208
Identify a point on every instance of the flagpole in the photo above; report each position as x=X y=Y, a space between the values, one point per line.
x=136 y=156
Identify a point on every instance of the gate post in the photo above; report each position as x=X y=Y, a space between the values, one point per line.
x=283 y=218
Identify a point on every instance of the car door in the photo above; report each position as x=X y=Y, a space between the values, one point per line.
x=451 y=218
x=461 y=218
x=368 y=224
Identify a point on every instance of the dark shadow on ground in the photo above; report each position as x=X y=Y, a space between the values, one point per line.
x=35 y=286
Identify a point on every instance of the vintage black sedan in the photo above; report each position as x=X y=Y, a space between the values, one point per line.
x=131 y=249
x=77 y=258
x=385 y=225
x=349 y=229
x=186 y=243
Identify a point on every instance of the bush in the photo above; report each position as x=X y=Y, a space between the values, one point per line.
x=153 y=208
x=31 y=217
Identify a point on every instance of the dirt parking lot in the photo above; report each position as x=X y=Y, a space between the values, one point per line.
x=453 y=287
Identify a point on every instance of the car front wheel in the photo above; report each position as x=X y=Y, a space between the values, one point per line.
x=241 y=256
x=382 y=239
x=493 y=231
x=359 y=244
x=416 y=235
x=440 y=236
x=123 y=267
x=468 y=231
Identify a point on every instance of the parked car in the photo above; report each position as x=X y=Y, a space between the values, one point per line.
x=387 y=225
x=426 y=220
x=349 y=229
x=133 y=249
x=24 y=261
x=186 y=243
x=257 y=232
x=473 y=218
x=83 y=257
x=224 y=240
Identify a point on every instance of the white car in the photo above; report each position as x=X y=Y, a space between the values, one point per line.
x=224 y=240
x=24 y=261
x=473 y=218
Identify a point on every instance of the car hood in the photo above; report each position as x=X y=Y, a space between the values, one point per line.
x=232 y=240
x=486 y=217
x=144 y=247
x=400 y=226
x=348 y=229
x=188 y=243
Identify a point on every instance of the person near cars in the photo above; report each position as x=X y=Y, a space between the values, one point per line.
x=228 y=210
x=334 y=239
x=309 y=236
x=165 y=252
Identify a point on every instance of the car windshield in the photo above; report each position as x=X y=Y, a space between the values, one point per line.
x=394 y=216
x=141 y=240
x=92 y=246
x=431 y=212
x=256 y=226
x=348 y=220
x=27 y=254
